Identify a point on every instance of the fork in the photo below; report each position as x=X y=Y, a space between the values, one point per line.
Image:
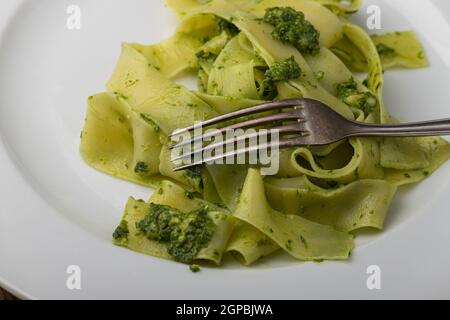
x=312 y=123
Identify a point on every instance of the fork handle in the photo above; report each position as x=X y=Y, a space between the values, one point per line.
x=415 y=129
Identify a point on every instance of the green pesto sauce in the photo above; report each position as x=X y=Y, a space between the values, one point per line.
x=121 y=232
x=184 y=234
x=292 y=27
x=147 y=119
x=194 y=173
x=141 y=168
x=303 y=240
x=194 y=268
x=332 y=184
x=385 y=51
x=205 y=56
x=348 y=92
x=264 y=242
x=283 y=70
x=226 y=26
x=189 y=195
x=289 y=245
x=319 y=75
x=120 y=96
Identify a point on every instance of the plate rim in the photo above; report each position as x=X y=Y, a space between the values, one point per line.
x=9 y=168
x=9 y=10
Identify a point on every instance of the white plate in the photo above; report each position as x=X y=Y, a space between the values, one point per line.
x=55 y=211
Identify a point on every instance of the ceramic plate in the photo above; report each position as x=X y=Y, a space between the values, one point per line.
x=56 y=212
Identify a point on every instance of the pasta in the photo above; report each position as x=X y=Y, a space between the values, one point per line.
x=321 y=196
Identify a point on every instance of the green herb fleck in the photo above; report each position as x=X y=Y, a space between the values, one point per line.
x=319 y=75
x=121 y=232
x=131 y=82
x=189 y=195
x=280 y=71
x=141 y=168
x=421 y=55
x=264 y=242
x=289 y=245
x=120 y=96
x=303 y=240
x=150 y=121
x=332 y=184
x=348 y=92
x=384 y=50
x=194 y=172
x=194 y=268
x=226 y=26
x=206 y=56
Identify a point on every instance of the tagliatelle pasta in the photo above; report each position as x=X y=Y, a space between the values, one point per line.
x=320 y=197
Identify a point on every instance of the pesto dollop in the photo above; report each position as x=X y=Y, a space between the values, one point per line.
x=226 y=26
x=194 y=268
x=121 y=232
x=195 y=175
x=348 y=93
x=283 y=70
x=292 y=27
x=185 y=234
x=141 y=168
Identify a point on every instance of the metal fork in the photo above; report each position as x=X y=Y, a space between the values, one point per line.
x=311 y=123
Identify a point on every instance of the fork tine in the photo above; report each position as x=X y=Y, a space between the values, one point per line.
x=244 y=112
x=288 y=115
x=293 y=128
x=283 y=143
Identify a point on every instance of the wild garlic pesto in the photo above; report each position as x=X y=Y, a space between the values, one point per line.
x=205 y=56
x=284 y=70
x=194 y=172
x=185 y=234
x=225 y=26
x=121 y=232
x=349 y=93
x=384 y=50
x=194 y=268
x=280 y=71
x=292 y=27
x=141 y=168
